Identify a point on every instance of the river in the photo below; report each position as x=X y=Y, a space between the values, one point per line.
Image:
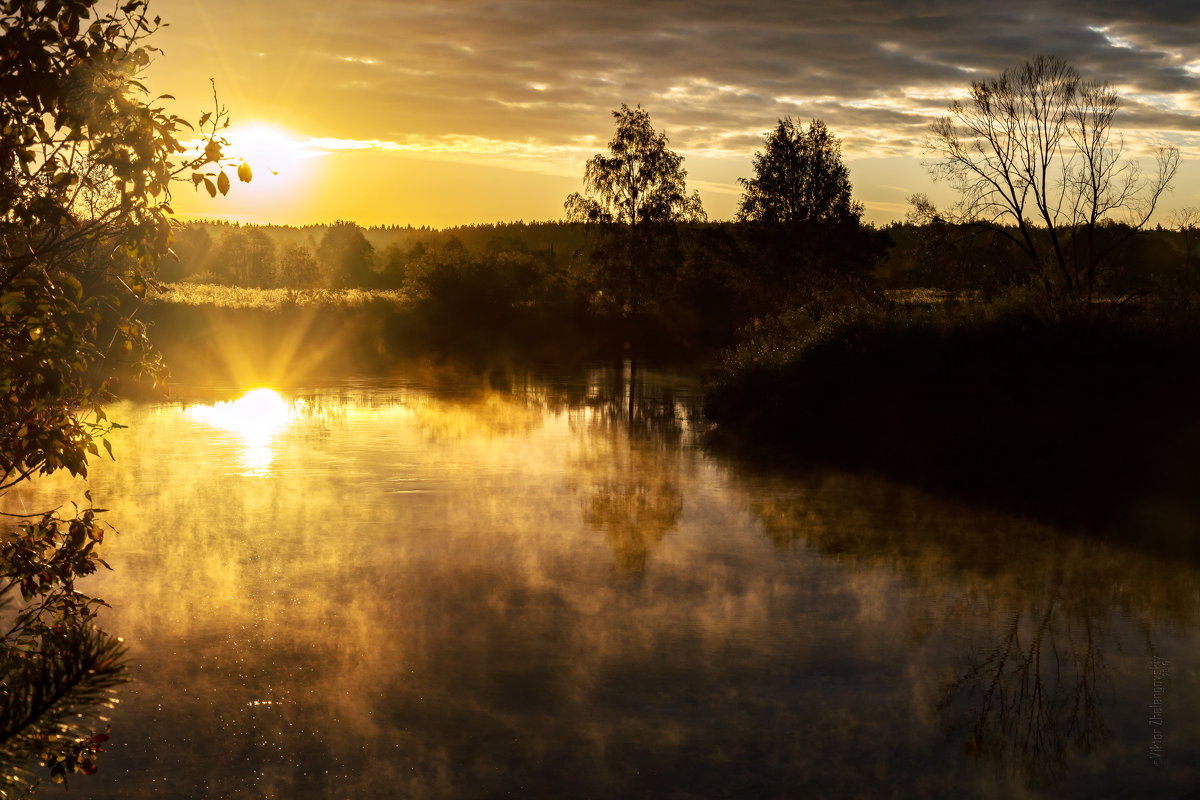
x=428 y=587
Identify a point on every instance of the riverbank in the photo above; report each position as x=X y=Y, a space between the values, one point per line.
x=1087 y=421
x=253 y=336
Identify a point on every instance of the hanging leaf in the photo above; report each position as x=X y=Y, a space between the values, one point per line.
x=244 y=173
x=223 y=183
x=211 y=187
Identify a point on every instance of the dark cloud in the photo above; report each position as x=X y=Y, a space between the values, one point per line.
x=448 y=67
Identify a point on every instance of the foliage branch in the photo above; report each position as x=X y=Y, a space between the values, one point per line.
x=87 y=161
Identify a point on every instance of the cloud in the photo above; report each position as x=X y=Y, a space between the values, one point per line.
x=524 y=77
x=471 y=68
x=527 y=155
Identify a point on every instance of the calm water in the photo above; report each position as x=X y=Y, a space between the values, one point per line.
x=419 y=589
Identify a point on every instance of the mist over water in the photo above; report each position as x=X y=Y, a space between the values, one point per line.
x=411 y=588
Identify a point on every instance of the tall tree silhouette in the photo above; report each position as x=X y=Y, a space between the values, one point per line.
x=346 y=256
x=637 y=187
x=799 y=176
x=803 y=217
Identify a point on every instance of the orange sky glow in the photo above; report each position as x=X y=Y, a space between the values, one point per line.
x=475 y=112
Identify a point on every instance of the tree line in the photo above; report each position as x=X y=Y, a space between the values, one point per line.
x=699 y=285
x=921 y=251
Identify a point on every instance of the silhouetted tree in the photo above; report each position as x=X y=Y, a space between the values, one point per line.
x=346 y=256
x=635 y=190
x=297 y=268
x=1187 y=222
x=396 y=259
x=1033 y=700
x=1033 y=157
x=807 y=228
x=799 y=176
x=461 y=296
x=246 y=257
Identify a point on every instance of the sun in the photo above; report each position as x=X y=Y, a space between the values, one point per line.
x=269 y=150
x=285 y=167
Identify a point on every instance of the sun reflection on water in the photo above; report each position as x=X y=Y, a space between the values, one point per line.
x=256 y=418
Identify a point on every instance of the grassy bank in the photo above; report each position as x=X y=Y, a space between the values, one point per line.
x=240 y=336
x=1088 y=421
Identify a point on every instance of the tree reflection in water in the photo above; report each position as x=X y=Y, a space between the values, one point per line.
x=635 y=514
x=1033 y=702
x=1029 y=692
x=631 y=494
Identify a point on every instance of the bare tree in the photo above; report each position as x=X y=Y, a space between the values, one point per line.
x=1034 y=156
x=1034 y=701
x=1187 y=222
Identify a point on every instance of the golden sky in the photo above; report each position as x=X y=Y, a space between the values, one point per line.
x=469 y=111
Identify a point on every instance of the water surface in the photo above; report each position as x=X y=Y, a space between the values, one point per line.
x=420 y=588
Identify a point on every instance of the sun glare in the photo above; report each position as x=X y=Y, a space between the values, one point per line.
x=286 y=169
x=256 y=418
x=268 y=149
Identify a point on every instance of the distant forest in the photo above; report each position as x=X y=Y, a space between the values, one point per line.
x=904 y=255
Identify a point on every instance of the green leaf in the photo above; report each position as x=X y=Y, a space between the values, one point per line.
x=75 y=285
x=11 y=301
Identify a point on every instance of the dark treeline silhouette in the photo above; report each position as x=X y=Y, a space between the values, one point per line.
x=636 y=267
x=702 y=282
x=1162 y=262
x=711 y=279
